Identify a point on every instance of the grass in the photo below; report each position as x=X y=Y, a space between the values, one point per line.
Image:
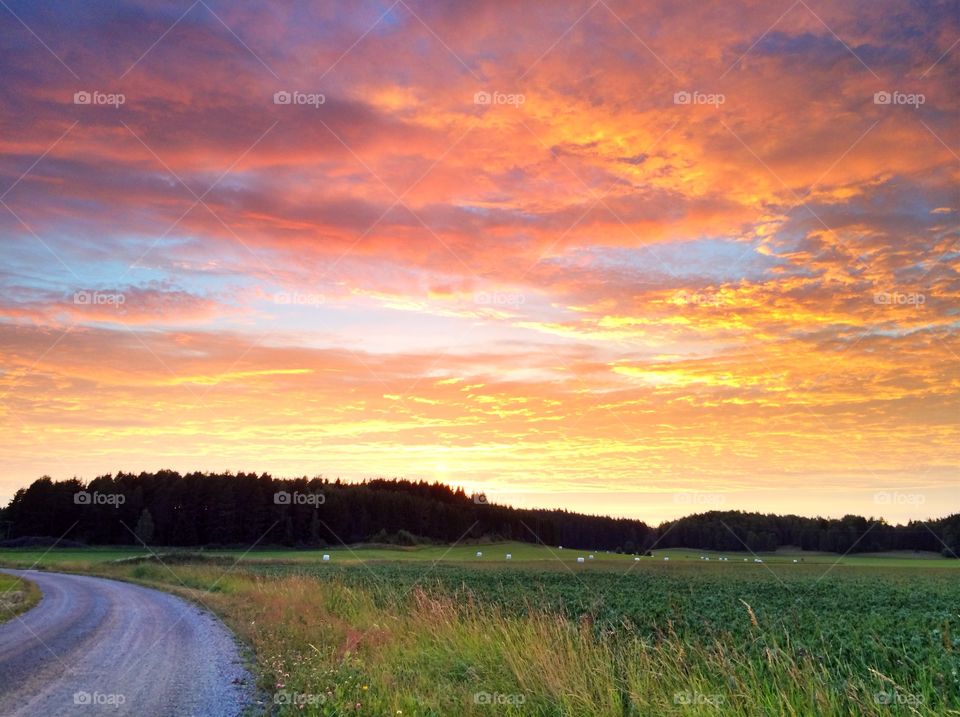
x=16 y=596
x=493 y=554
x=537 y=636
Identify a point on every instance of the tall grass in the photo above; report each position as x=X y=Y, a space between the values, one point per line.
x=327 y=647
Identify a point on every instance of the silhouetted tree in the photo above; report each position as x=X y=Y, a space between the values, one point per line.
x=144 y=529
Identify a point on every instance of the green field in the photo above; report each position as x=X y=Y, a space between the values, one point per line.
x=438 y=631
x=493 y=553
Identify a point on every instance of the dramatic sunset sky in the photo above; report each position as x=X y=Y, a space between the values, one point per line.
x=574 y=288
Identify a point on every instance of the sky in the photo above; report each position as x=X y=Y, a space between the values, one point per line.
x=639 y=259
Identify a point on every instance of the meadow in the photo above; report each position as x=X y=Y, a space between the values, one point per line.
x=437 y=631
x=493 y=554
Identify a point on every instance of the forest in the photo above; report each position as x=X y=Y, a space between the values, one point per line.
x=244 y=509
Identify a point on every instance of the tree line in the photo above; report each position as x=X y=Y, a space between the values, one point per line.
x=734 y=530
x=245 y=509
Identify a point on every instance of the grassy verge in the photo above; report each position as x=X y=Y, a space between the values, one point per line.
x=16 y=596
x=377 y=639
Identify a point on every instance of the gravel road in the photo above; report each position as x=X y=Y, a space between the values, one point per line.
x=101 y=647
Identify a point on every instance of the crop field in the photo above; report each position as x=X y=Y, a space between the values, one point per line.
x=435 y=631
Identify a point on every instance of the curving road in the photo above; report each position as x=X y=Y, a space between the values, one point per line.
x=95 y=647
